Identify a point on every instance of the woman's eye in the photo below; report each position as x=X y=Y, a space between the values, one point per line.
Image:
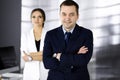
x=33 y=16
x=40 y=16
x=36 y=17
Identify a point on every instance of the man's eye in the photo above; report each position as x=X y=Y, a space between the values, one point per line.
x=64 y=14
x=72 y=14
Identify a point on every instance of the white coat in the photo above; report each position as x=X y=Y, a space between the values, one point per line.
x=33 y=70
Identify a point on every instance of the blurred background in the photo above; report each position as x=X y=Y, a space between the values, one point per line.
x=100 y=16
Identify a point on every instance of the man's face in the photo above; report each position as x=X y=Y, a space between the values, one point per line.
x=68 y=16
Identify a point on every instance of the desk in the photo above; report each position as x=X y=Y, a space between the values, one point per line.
x=11 y=76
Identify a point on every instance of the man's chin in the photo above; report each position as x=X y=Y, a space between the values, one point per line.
x=66 y=25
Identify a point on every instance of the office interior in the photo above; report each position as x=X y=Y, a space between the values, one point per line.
x=100 y=16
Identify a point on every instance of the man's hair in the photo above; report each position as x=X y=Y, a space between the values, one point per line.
x=70 y=3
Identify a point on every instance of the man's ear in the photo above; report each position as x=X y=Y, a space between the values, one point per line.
x=78 y=16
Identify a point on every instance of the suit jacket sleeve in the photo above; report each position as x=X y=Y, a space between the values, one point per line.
x=74 y=59
x=49 y=61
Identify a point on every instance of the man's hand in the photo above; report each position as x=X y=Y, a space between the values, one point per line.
x=83 y=50
x=57 y=56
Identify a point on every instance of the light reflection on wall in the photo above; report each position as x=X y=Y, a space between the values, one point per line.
x=102 y=17
x=115 y=39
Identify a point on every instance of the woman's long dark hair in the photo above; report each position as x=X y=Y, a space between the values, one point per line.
x=41 y=11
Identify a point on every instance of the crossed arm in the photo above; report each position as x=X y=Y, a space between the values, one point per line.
x=82 y=50
x=79 y=57
x=37 y=56
x=34 y=56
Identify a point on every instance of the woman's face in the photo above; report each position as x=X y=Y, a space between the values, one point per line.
x=37 y=18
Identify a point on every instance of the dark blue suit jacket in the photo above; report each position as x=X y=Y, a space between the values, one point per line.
x=72 y=66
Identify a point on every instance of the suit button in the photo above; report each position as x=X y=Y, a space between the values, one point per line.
x=71 y=67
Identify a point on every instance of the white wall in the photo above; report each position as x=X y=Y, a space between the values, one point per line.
x=101 y=16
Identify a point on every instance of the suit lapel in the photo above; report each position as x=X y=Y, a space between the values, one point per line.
x=74 y=37
x=60 y=37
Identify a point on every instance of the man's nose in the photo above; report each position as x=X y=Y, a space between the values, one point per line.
x=67 y=17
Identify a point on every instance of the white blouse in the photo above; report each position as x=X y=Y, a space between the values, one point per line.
x=33 y=70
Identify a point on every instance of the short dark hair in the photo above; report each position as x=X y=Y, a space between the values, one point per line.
x=70 y=3
x=41 y=11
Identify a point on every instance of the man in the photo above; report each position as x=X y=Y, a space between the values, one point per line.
x=67 y=60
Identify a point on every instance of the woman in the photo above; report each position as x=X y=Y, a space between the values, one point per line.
x=32 y=47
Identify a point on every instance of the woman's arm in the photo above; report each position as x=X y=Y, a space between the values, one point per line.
x=36 y=56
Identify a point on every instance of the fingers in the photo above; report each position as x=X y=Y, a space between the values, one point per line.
x=57 y=55
x=83 y=50
x=25 y=53
x=25 y=57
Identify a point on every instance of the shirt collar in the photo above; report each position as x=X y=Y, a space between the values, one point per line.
x=66 y=31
